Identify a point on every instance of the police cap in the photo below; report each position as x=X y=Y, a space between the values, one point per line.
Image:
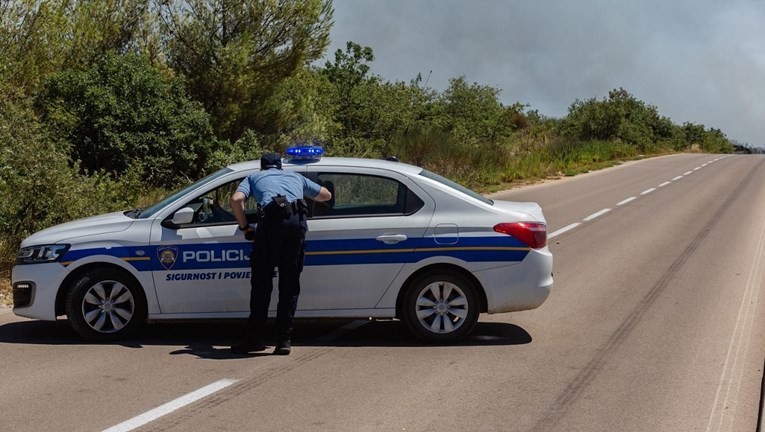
x=271 y=160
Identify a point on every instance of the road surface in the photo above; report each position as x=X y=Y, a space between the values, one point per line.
x=655 y=323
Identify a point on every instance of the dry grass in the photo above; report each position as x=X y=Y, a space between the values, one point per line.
x=6 y=297
x=7 y=256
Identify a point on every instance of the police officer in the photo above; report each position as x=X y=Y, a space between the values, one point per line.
x=279 y=241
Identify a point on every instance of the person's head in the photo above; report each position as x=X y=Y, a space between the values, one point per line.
x=270 y=160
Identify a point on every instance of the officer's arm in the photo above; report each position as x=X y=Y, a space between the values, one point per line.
x=237 y=205
x=324 y=195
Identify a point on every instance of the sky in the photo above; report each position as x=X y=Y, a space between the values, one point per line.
x=699 y=61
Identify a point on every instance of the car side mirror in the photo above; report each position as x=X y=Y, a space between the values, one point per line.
x=183 y=216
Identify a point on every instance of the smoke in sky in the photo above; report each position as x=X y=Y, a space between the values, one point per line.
x=701 y=61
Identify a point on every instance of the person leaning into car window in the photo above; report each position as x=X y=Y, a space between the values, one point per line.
x=278 y=242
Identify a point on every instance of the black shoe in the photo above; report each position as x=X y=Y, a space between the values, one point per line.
x=247 y=347
x=283 y=348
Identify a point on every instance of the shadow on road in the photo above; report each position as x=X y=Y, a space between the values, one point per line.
x=211 y=339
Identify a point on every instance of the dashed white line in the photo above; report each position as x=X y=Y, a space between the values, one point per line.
x=597 y=214
x=564 y=229
x=621 y=203
x=171 y=406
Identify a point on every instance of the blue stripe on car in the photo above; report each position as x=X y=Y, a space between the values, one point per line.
x=201 y=256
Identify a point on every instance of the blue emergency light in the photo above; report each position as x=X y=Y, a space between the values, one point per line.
x=305 y=153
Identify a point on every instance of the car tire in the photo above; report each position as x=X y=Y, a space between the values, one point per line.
x=105 y=305
x=441 y=307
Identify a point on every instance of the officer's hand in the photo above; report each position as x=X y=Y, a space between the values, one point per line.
x=249 y=233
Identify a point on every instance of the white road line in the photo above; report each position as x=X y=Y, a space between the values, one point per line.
x=621 y=203
x=688 y=172
x=353 y=325
x=597 y=214
x=664 y=184
x=697 y=168
x=733 y=370
x=677 y=178
x=705 y=164
x=647 y=191
x=171 y=406
x=564 y=229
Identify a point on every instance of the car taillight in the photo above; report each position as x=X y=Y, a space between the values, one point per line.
x=534 y=234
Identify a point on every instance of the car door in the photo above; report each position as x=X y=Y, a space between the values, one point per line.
x=203 y=266
x=359 y=241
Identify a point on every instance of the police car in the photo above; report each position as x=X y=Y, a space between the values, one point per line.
x=395 y=241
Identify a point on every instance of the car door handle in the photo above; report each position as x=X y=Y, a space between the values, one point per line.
x=391 y=238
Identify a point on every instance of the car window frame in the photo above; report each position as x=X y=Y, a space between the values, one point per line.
x=314 y=174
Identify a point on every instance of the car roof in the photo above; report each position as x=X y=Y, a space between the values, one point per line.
x=338 y=162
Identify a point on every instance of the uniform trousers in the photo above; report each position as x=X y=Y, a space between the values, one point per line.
x=279 y=243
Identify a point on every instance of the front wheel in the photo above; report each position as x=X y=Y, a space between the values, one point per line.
x=441 y=307
x=105 y=305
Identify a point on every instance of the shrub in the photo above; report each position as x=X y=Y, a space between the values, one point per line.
x=123 y=113
x=39 y=187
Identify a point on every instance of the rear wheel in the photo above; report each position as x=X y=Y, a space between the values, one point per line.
x=441 y=307
x=105 y=305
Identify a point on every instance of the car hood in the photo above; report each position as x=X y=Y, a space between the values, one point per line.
x=530 y=208
x=105 y=223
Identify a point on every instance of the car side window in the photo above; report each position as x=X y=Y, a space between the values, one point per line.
x=214 y=207
x=364 y=195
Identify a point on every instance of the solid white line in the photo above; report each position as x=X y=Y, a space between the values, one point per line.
x=732 y=372
x=594 y=215
x=171 y=406
x=664 y=184
x=647 y=191
x=564 y=229
x=677 y=178
x=688 y=172
x=621 y=203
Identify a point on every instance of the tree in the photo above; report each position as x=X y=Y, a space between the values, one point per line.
x=347 y=73
x=620 y=116
x=39 y=186
x=39 y=37
x=124 y=114
x=473 y=113
x=236 y=53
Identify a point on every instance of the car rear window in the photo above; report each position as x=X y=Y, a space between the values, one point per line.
x=365 y=195
x=445 y=181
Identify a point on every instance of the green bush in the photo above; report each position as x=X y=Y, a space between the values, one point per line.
x=123 y=114
x=39 y=186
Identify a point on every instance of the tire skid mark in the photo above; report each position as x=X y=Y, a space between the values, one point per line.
x=574 y=390
x=241 y=387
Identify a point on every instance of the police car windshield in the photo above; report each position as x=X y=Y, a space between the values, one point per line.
x=149 y=212
x=453 y=185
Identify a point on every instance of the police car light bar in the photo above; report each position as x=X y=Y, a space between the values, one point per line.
x=305 y=152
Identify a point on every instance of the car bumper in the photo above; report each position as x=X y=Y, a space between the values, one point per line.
x=518 y=287
x=38 y=299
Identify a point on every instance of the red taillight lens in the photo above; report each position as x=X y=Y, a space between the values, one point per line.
x=534 y=234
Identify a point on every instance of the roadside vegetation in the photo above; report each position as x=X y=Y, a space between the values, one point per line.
x=109 y=105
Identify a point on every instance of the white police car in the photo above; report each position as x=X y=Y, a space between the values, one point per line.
x=395 y=241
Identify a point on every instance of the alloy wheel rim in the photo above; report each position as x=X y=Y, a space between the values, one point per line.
x=108 y=306
x=441 y=307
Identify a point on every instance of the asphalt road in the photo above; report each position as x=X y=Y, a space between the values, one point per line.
x=655 y=323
